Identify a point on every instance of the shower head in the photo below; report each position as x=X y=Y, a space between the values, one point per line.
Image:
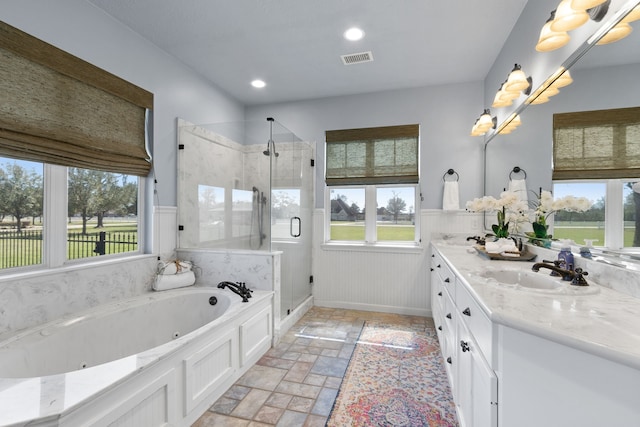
x=267 y=152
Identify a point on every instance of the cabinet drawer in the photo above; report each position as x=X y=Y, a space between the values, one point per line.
x=476 y=320
x=446 y=276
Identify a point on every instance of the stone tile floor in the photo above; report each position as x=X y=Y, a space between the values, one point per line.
x=296 y=382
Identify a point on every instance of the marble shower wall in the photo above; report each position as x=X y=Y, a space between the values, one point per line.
x=211 y=159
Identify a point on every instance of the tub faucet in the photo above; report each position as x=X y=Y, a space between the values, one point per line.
x=238 y=288
x=575 y=276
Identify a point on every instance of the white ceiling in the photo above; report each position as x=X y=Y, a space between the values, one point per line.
x=295 y=45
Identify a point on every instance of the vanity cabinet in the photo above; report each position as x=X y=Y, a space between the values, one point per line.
x=528 y=359
x=461 y=326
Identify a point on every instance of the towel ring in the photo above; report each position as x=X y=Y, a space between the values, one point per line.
x=517 y=169
x=450 y=172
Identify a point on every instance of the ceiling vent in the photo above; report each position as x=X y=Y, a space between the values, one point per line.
x=357 y=58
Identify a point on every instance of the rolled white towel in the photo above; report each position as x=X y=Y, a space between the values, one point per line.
x=173 y=281
x=519 y=186
x=500 y=245
x=450 y=196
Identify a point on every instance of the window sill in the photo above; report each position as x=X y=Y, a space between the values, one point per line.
x=372 y=247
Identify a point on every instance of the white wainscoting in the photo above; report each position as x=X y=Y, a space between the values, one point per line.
x=386 y=280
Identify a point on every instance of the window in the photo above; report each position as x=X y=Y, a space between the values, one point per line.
x=21 y=225
x=73 y=142
x=613 y=220
x=373 y=213
x=372 y=192
x=596 y=154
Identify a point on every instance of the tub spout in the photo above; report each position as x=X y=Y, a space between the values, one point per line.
x=238 y=288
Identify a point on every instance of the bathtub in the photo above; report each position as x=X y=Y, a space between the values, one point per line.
x=155 y=360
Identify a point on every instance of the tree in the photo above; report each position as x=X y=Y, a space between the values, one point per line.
x=395 y=206
x=96 y=193
x=19 y=189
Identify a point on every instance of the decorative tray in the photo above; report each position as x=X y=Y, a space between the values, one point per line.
x=524 y=255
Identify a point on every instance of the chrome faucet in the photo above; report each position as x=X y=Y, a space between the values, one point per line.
x=575 y=276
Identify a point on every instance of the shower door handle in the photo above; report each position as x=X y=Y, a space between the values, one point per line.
x=295 y=218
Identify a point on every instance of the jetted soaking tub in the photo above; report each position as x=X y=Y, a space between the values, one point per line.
x=156 y=360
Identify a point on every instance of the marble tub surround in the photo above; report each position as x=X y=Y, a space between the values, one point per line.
x=603 y=323
x=95 y=392
x=33 y=298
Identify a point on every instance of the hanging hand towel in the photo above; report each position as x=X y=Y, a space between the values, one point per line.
x=519 y=186
x=450 y=198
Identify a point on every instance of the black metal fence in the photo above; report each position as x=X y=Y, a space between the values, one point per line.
x=25 y=248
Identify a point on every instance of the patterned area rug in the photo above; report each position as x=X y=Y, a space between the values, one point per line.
x=395 y=378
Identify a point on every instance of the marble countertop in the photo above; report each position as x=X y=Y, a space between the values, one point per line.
x=594 y=319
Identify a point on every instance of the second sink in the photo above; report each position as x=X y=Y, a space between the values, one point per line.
x=524 y=278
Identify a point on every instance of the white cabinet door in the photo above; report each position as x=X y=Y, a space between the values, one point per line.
x=477 y=388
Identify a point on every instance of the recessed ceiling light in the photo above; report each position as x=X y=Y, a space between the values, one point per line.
x=258 y=83
x=353 y=34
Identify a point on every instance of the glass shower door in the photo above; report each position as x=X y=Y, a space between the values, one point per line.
x=291 y=210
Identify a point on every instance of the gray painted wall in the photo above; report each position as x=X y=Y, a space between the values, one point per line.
x=445 y=114
x=89 y=33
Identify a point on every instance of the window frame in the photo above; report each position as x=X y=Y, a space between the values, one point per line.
x=370 y=220
x=54 y=217
x=613 y=208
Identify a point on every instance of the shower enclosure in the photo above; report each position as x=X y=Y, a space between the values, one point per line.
x=248 y=186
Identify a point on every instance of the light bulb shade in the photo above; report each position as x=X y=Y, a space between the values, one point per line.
x=499 y=101
x=540 y=100
x=485 y=122
x=517 y=80
x=634 y=15
x=620 y=31
x=585 y=4
x=567 y=18
x=508 y=96
x=563 y=80
x=551 y=40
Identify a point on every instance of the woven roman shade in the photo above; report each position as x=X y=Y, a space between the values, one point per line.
x=601 y=144
x=59 y=109
x=381 y=155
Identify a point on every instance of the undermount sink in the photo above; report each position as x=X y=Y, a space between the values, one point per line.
x=524 y=278
x=528 y=280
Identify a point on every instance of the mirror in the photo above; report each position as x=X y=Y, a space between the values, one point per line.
x=604 y=77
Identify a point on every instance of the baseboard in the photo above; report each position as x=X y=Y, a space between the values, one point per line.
x=291 y=319
x=411 y=311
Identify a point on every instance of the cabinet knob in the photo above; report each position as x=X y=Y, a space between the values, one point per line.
x=440 y=293
x=433 y=255
x=439 y=328
x=448 y=316
x=466 y=312
x=447 y=280
x=438 y=266
x=464 y=345
x=431 y=268
x=449 y=360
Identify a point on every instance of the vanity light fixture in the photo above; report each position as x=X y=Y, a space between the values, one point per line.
x=484 y=123
x=585 y=4
x=620 y=31
x=549 y=39
x=511 y=124
x=542 y=94
x=563 y=79
x=634 y=15
x=518 y=81
x=567 y=18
